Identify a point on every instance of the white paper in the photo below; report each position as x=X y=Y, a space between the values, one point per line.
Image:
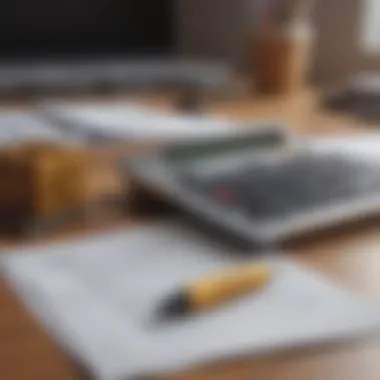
x=363 y=145
x=135 y=122
x=16 y=127
x=99 y=297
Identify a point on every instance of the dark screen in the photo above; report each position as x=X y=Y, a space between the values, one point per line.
x=34 y=28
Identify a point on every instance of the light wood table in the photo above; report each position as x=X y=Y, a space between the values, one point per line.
x=350 y=256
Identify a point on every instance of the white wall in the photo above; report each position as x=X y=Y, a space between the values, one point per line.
x=370 y=27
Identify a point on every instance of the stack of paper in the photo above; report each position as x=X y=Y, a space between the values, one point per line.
x=131 y=121
x=99 y=298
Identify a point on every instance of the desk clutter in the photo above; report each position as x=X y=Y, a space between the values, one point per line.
x=106 y=299
x=42 y=154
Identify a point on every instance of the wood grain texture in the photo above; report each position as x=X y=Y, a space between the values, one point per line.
x=351 y=256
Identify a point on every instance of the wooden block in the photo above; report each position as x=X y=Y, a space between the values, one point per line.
x=41 y=180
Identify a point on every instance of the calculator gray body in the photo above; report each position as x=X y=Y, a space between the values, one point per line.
x=160 y=171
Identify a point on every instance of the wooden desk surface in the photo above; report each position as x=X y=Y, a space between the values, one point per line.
x=351 y=256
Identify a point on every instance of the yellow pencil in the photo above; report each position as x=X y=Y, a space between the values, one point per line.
x=216 y=289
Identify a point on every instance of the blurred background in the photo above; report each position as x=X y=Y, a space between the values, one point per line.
x=43 y=43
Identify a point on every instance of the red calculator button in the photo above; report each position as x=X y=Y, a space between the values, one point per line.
x=225 y=195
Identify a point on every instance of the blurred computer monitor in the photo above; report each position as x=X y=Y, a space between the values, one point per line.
x=58 y=44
